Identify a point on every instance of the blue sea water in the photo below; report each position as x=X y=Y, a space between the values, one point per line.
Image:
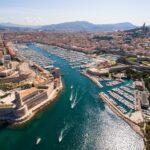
x=82 y=123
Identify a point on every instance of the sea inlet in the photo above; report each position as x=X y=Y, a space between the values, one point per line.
x=77 y=120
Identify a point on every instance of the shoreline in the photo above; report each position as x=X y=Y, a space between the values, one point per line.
x=53 y=96
x=92 y=79
x=50 y=95
x=31 y=114
x=132 y=124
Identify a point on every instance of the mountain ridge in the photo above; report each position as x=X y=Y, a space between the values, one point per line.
x=75 y=26
x=87 y=26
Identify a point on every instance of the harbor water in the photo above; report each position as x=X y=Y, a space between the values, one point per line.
x=77 y=120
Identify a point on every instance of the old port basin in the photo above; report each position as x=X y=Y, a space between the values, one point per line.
x=97 y=107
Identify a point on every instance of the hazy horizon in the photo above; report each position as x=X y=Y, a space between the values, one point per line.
x=37 y=12
x=13 y=23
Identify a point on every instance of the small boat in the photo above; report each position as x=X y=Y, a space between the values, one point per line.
x=38 y=140
x=61 y=136
x=60 y=139
x=48 y=67
x=71 y=87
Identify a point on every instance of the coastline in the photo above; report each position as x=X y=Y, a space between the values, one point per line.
x=94 y=79
x=52 y=98
x=25 y=110
x=42 y=118
x=132 y=124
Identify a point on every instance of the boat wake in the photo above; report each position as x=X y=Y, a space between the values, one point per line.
x=63 y=132
x=76 y=100
x=71 y=95
x=71 y=87
x=74 y=103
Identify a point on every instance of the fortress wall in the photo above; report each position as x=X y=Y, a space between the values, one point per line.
x=36 y=100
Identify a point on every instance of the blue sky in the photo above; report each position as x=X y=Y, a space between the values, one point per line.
x=39 y=12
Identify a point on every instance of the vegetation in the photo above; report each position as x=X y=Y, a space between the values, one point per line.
x=5 y=95
x=131 y=59
x=10 y=86
x=42 y=87
x=6 y=86
x=145 y=63
x=145 y=76
x=26 y=86
x=139 y=75
x=127 y=40
x=136 y=34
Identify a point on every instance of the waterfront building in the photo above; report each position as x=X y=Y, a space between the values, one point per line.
x=28 y=89
x=96 y=72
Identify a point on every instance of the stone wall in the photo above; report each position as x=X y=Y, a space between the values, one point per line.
x=34 y=101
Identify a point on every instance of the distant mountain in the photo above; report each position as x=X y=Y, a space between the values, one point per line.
x=16 y=26
x=72 y=26
x=10 y=25
x=87 y=26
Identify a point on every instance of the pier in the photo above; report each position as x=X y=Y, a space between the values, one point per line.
x=134 y=125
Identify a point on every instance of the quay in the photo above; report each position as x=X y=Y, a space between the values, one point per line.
x=134 y=125
x=31 y=113
x=93 y=78
x=26 y=87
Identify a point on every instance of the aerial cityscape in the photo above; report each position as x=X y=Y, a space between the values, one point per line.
x=74 y=85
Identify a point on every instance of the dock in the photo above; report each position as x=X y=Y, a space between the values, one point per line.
x=134 y=125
